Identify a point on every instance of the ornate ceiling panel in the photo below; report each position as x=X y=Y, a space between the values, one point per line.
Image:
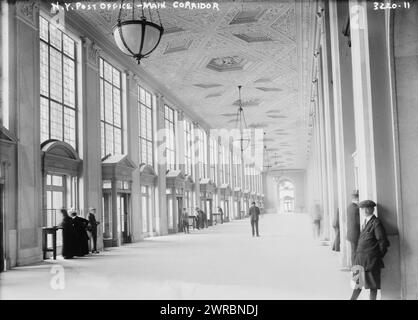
x=265 y=46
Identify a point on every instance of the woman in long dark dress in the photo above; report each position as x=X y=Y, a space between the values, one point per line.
x=68 y=235
x=82 y=239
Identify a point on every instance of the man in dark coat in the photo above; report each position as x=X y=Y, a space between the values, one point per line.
x=353 y=224
x=92 y=227
x=198 y=218
x=372 y=247
x=204 y=218
x=185 y=220
x=80 y=227
x=68 y=235
x=254 y=213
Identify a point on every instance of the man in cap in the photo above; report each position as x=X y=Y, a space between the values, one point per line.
x=353 y=224
x=92 y=227
x=371 y=248
x=254 y=213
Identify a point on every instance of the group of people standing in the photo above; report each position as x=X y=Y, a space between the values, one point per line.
x=75 y=235
x=200 y=219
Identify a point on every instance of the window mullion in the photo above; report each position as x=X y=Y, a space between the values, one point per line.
x=49 y=85
x=62 y=88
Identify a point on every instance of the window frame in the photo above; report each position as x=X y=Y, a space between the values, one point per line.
x=141 y=138
x=169 y=139
x=48 y=97
x=102 y=82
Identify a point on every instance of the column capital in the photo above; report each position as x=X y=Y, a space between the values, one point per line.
x=180 y=115
x=92 y=51
x=28 y=11
x=133 y=81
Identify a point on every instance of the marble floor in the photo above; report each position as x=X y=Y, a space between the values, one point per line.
x=221 y=262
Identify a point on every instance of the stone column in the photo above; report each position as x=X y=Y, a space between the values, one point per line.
x=161 y=168
x=326 y=76
x=195 y=159
x=345 y=143
x=132 y=113
x=91 y=179
x=180 y=141
x=375 y=129
x=24 y=112
x=405 y=99
x=323 y=156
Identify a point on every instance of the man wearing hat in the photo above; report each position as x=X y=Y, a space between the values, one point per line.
x=254 y=213
x=371 y=248
x=92 y=227
x=353 y=224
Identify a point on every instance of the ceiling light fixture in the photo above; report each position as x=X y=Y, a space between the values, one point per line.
x=138 y=35
x=241 y=124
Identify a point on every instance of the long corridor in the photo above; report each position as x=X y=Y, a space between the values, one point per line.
x=221 y=262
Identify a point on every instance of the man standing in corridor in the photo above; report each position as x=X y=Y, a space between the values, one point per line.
x=371 y=248
x=254 y=212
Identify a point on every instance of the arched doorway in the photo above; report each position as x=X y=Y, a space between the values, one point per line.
x=61 y=169
x=286 y=196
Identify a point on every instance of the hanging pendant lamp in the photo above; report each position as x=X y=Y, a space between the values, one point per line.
x=138 y=37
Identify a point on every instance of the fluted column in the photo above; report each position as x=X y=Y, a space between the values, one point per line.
x=91 y=180
x=24 y=113
x=375 y=135
x=195 y=159
x=161 y=165
x=345 y=143
x=133 y=123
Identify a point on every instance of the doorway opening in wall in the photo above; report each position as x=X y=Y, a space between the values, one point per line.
x=2 y=255
x=179 y=213
x=236 y=209
x=148 y=219
x=226 y=209
x=60 y=192
x=123 y=211
x=286 y=196
x=107 y=217
x=208 y=209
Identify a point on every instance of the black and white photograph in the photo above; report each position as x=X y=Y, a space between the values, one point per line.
x=232 y=150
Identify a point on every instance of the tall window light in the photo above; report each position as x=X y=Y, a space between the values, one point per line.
x=57 y=84
x=110 y=109
x=213 y=149
x=145 y=109
x=236 y=168
x=170 y=145
x=203 y=160
x=188 y=152
x=253 y=178
x=222 y=164
x=246 y=177
x=227 y=164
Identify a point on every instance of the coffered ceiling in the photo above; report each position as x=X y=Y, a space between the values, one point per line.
x=265 y=46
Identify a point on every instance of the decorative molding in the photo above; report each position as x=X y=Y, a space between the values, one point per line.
x=92 y=51
x=28 y=11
